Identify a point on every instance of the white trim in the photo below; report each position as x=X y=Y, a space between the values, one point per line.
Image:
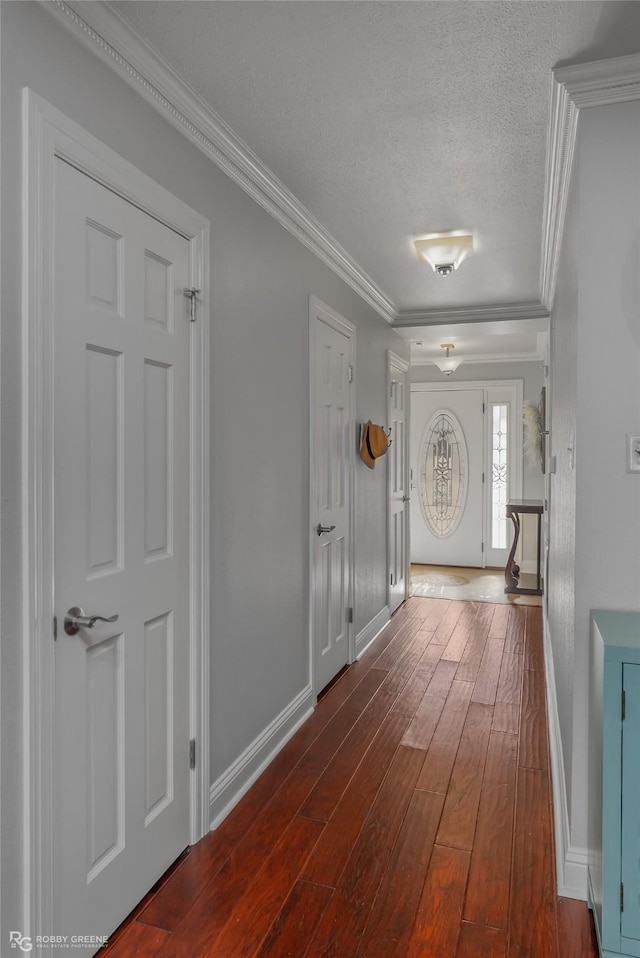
x=371 y=631
x=319 y=311
x=394 y=360
x=574 y=88
x=48 y=134
x=488 y=358
x=571 y=862
x=228 y=788
x=101 y=28
x=493 y=312
x=453 y=384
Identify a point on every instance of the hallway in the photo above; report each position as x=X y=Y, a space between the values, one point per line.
x=410 y=815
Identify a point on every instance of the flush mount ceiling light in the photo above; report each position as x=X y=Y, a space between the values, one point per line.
x=447 y=364
x=444 y=251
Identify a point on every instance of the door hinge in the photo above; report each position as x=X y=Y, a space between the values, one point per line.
x=350 y=614
x=350 y=374
x=483 y=407
x=623 y=706
x=55 y=627
x=621 y=896
x=191 y=293
x=192 y=753
x=483 y=546
x=483 y=477
x=391 y=579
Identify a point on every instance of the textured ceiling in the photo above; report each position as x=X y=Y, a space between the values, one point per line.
x=388 y=120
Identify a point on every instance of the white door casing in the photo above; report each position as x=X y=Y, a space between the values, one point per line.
x=398 y=480
x=488 y=393
x=332 y=442
x=51 y=138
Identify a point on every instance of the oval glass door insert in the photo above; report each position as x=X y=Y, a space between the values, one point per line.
x=443 y=473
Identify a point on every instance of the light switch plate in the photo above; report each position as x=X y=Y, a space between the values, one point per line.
x=633 y=454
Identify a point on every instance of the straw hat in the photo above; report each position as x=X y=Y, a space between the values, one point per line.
x=374 y=443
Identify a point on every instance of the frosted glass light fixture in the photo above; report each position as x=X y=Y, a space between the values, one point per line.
x=447 y=364
x=444 y=251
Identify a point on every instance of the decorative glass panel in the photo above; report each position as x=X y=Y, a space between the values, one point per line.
x=443 y=473
x=499 y=474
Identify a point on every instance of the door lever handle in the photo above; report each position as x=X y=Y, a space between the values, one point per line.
x=406 y=498
x=75 y=619
x=320 y=528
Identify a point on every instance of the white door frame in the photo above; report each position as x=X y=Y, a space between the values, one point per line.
x=516 y=460
x=48 y=135
x=395 y=360
x=318 y=310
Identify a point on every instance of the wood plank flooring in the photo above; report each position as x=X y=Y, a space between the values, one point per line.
x=410 y=816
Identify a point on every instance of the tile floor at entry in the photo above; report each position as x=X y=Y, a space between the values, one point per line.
x=457 y=582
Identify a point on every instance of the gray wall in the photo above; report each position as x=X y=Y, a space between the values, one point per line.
x=531 y=373
x=562 y=490
x=261 y=279
x=596 y=389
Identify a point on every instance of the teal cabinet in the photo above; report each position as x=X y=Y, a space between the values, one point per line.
x=614 y=782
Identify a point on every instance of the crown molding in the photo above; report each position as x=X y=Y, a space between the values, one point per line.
x=574 y=88
x=485 y=360
x=470 y=314
x=99 y=27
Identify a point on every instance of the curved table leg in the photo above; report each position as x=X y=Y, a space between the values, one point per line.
x=512 y=570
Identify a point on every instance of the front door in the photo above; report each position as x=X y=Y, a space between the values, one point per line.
x=447 y=443
x=332 y=456
x=121 y=544
x=397 y=475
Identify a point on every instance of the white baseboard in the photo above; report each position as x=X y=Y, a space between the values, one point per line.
x=370 y=633
x=571 y=862
x=229 y=788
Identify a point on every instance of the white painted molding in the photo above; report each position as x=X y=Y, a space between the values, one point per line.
x=571 y=862
x=371 y=631
x=493 y=312
x=471 y=384
x=488 y=358
x=228 y=788
x=602 y=81
x=98 y=26
x=574 y=88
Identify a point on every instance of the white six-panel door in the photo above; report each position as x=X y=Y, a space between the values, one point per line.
x=121 y=542
x=332 y=440
x=398 y=479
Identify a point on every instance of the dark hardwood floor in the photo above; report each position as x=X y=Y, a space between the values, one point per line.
x=410 y=815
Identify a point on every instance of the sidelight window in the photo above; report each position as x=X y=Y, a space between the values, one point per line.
x=499 y=474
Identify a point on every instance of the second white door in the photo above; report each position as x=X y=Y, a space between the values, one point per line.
x=332 y=443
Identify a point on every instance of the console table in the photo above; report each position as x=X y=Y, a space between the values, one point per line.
x=525 y=583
